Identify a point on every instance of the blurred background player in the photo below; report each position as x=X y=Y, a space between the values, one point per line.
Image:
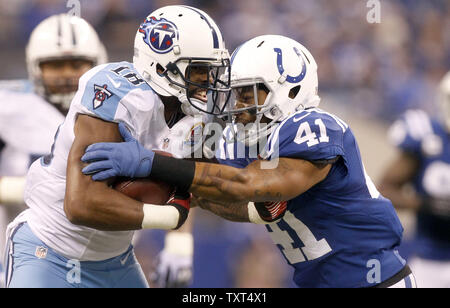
x=179 y=57
x=419 y=180
x=59 y=51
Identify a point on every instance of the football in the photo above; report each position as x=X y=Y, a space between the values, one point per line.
x=144 y=189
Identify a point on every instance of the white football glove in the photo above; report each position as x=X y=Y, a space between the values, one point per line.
x=174 y=264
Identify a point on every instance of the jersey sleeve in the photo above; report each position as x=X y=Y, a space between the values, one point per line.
x=108 y=95
x=308 y=135
x=409 y=130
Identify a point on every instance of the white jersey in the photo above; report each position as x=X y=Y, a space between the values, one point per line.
x=113 y=92
x=27 y=126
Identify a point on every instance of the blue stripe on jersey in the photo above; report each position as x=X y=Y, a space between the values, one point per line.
x=408 y=283
x=105 y=90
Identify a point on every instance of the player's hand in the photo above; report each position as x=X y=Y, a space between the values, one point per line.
x=172 y=271
x=109 y=159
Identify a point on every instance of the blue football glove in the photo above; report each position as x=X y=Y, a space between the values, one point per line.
x=109 y=159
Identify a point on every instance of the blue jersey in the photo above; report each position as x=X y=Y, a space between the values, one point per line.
x=427 y=139
x=341 y=232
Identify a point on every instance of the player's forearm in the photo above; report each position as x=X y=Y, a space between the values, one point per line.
x=212 y=181
x=237 y=212
x=222 y=183
x=232 y=185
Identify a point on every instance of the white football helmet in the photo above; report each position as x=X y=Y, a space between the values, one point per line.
x=444 y=100
x=286 y=68
x=61 y=37
x=169 y=43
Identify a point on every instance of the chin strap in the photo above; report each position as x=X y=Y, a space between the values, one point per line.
x=187 y=107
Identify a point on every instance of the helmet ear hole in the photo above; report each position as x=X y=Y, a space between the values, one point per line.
x=294 y=91
x=159 y=69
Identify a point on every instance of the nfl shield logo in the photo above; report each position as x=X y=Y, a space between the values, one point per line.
x=41 y=252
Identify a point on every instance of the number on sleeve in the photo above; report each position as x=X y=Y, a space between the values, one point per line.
x=305 y=134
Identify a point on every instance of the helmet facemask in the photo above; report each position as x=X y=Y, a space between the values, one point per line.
x=249 y=112
x=204 y=84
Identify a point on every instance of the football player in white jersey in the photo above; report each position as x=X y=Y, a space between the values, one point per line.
x=77 y=232
x=60 y=50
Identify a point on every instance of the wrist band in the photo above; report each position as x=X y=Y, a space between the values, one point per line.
x=160 y=217
x=164 y=168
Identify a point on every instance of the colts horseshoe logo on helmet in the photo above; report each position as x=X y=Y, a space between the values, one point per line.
x=159 y=34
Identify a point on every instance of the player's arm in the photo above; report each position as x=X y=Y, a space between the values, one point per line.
x=290 y=178
x=218 y=183
x=95 y=204
x=394 y=182
x=237 y=212
x=254 y=194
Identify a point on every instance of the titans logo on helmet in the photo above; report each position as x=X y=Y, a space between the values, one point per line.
x=159 y=34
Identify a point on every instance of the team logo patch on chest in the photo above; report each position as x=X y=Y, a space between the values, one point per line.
x=195 y=135
x=101 y=94
x=159 y=34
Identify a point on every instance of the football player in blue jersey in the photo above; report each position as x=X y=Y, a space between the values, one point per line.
x=424 y=165
x=308 y=185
